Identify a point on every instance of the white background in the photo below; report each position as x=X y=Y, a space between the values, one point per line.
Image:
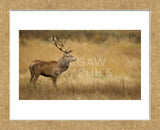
x=78 y=109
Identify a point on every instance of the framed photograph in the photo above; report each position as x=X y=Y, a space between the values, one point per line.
x=64 y=68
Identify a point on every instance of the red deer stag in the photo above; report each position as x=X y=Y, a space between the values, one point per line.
x=52 y=68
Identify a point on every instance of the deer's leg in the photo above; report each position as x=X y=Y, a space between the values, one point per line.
x=32 y=75
x=35 y=78
x=54 y=81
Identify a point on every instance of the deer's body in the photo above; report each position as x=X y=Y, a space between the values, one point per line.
x=51 y=68
x=42 y=67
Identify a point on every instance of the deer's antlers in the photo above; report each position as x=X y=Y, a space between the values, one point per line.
x=60 y=45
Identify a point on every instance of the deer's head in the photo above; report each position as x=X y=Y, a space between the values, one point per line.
x=67 y=57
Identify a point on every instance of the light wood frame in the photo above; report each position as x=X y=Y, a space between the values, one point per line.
x=152 y=5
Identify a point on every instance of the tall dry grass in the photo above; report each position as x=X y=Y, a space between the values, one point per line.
x=102 y=71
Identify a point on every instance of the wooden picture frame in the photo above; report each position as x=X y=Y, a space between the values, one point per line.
x=154 y=8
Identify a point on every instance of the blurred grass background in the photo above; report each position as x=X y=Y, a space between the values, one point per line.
x=118 y=78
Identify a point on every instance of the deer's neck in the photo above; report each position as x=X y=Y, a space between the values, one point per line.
x=63 y=64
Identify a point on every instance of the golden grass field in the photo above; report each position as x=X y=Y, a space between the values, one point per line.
x=117 y=77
